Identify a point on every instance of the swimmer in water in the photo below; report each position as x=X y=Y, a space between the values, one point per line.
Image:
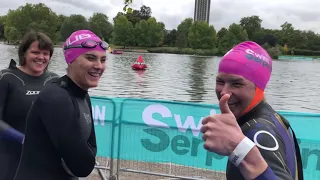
x=259 y=142
x=19 y=87
x=60 y=140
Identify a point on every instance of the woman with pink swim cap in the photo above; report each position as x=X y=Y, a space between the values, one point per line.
x=259 y=142
x=60 y=140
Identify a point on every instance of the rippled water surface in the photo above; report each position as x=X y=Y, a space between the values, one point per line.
x=294 y=85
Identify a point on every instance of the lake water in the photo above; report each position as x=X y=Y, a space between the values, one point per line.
x=294 y=85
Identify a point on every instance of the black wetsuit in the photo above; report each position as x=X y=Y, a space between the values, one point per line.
x=283 y=156
x=17 y=92
x=59 y=126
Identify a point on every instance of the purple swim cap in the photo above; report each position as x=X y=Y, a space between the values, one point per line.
x=76 y=38
x=249 y=60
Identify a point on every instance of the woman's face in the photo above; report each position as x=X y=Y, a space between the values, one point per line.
x=36 y=60
x=88 y=68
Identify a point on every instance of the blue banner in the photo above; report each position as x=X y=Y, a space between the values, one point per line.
x=168 y=131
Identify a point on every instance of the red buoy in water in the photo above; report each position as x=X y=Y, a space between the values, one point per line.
x=139 y=64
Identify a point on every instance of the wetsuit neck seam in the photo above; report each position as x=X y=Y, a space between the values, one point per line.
x=13 y=66
x=250 y=115
x=73 y=87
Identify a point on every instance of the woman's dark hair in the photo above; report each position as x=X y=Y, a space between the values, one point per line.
x=45 y=43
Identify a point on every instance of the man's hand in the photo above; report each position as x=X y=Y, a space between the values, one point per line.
x=221 y=132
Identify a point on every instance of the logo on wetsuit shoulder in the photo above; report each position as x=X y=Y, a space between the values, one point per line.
x=87 y=117
x=259 y=58
x=30 y=93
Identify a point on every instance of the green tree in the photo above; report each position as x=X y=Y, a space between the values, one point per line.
x=2 y=25
x=73 y=23
x=118 y=15
x=182 y=33
x=155 y=32
x=287 y=34
x=201 y=35
x=285 y=49
x=61 y=19
x=270 y=39
x=171 y=37
x=312 y=40
x=258 y=36
x=145 y=12
x=11 y=34
x=251 y=25
x=141 y=33
x=297 y=40
x=36 y=17
x=123 y=33
x=149 y=33
x=137 y=15
x=221 y=33
x=240 y=33
x=126 y=7
x=226 y=40
x=133 y=17
x=101 y=26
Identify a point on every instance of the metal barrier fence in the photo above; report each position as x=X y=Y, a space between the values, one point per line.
x=157 y=168
x=129 y=126
x=138 y=150
x=99 y=168
x=107 y=164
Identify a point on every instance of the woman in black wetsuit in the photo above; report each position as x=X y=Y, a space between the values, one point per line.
x=60 y=142
x=19 y=87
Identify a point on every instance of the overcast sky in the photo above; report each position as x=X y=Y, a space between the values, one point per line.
x=303 y=14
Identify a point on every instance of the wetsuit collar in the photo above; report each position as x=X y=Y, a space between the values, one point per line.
x=13 y=66
x=251 y=114
x=73 y=87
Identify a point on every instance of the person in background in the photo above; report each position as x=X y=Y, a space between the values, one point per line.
x=19 y=87
x=259 y=142
x=60 y=141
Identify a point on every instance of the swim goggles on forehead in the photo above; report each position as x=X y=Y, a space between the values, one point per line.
x=89 y=44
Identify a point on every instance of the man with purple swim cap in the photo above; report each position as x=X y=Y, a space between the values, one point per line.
x=250 y=61
x=259 y=142
x=60 y=140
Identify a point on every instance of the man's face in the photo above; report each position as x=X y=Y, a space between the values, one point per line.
x=241 y=90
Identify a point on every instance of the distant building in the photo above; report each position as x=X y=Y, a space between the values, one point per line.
x=202 y=10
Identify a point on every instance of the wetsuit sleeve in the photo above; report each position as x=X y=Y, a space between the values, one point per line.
x=268 y=174
x=61 y=120
x=6 y=131
x=271 y=144
x=4 y=89
x=92 y=139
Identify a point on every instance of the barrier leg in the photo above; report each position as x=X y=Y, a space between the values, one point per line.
x=101 y=174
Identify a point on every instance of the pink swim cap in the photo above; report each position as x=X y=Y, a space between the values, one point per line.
x=76 y=38
x=249 y=60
